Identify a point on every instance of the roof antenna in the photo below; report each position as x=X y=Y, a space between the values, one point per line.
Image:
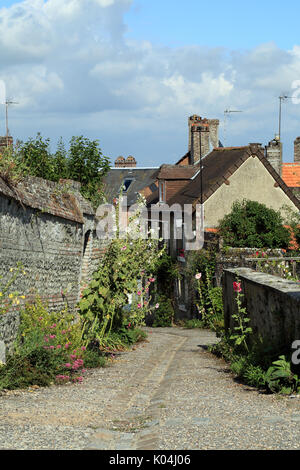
x=226 y=113
x=281 y=99
x=7 y=103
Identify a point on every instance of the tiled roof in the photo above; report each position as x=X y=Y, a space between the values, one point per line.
x=291 y=174
x=141 y=178
x=176 y=172
x=218 y=166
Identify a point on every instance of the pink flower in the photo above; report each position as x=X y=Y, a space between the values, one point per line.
x=157 y=306
x=58 y=346
x=198 y=276
x=139 y=293
x=68 y=365
x=51 y=347
x=124 y=248
x=52 y=336
x=83 y=348
x=151 y=279
x=237 y=287
x=139 y=306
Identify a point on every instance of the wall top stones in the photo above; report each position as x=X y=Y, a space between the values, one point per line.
x=59 y=199
x=268 y=280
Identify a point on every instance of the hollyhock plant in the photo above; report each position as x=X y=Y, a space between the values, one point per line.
x=237 y=287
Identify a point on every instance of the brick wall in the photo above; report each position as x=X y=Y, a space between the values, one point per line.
x=297 y=150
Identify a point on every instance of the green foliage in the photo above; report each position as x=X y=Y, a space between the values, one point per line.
x=164 y=314
x=209 y=301
x=254 y=225
x=82 y=162
x=126 y=270
x=167 y=272
x=35 y=159
x=9 y=298
x=280 y=378
x=48 y=349
x=202 y=261
x=87 y=164
x=241 y=329
x=251 y=374
x=193 y=323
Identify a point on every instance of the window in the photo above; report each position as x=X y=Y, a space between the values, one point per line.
x=126 y=184
x=162 y=191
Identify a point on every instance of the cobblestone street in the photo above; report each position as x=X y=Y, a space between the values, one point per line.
x=168 y=393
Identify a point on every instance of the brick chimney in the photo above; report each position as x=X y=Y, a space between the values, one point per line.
x=274 y=154
x=206 y=130
x=120 y=162
x=297 y=150
x=5 y=142
x=130 y=162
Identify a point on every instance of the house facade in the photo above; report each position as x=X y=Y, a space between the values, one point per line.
x=216 y=177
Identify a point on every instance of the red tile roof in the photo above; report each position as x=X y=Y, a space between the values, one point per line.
x=291 y=174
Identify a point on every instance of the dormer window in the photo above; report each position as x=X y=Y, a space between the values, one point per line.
x=126 y=184
x=162 y=191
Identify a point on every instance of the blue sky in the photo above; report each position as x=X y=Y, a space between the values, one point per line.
x=231 y=24
x=131 y=72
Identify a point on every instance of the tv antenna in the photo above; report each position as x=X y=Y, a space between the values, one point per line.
x=226 y=113
x=281 y=99
x=8 y=103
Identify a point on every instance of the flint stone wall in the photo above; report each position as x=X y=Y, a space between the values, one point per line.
x=53 y=236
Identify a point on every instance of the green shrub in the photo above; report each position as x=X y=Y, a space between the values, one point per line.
x=251 y=374
x=280 y=378
x=193 y=323
x=254 y=225
x=164 y=314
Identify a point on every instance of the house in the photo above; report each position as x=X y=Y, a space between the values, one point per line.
x=216 y=176
x=226 y=175
x=128 y=178
x=231 y=174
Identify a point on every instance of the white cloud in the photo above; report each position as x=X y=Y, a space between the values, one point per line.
x=70 y=59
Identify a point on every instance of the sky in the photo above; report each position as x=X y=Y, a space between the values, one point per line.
x=130 y=72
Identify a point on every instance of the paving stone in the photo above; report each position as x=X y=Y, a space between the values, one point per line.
x=189 y=397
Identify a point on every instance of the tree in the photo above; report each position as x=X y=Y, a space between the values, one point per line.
x=82 y=162
x=87 y=164
x=254 y=225
x=35 y=158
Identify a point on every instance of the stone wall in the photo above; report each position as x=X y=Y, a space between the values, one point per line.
x=242 y=257
x=52 y=234
x=272 y=303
